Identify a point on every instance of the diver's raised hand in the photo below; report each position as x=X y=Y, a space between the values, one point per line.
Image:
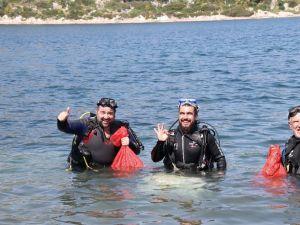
x=161 y=133
x=64 y=114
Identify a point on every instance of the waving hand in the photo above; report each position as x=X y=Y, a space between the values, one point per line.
x=161 y=133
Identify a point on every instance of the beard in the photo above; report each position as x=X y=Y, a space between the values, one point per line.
x=186 y=125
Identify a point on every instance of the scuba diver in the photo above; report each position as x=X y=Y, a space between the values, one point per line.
x=188 y=147
x=291 y=152
x=91 y=147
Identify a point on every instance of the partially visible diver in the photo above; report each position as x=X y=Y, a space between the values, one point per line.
x=91 y=147
x=291 y=152
x=189 y=146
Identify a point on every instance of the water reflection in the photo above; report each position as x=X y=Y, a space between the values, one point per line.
x=272 y=185
x=116 y=213
x=294 y=191
x=92 y=194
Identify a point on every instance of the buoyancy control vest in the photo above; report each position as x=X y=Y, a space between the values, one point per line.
x=200 y=136
x=81 y=156
x=292 y=155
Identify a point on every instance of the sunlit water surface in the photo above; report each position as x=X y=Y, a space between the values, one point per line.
x=245 y=75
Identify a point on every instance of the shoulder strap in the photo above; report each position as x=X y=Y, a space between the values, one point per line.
x=77 y=139
x=78 y=158
x=133 y=136
x=202 y=142
x=136 y=139
x=171 y=139
x=290 y=145
x=93 y=128
x=171 y=142
x=92 y=124
x=212 y=130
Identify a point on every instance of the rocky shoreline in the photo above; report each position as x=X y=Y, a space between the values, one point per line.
x=164 y=19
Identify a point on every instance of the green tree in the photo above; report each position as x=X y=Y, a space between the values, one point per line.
x=3 y=5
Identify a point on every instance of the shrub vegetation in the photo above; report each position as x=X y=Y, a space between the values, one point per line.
x=88 y=9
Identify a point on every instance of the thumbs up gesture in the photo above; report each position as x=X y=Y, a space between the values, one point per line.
x=63 y=116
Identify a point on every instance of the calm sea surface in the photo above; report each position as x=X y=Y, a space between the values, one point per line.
x=245 y=75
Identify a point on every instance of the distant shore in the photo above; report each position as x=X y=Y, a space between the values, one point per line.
x=164 y=19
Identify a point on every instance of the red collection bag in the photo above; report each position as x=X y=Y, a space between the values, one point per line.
x=273 y=166
x=126 y=159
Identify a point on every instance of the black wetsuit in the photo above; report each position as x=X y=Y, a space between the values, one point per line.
x=291 y=155
x=101 y=151
x=197 y=149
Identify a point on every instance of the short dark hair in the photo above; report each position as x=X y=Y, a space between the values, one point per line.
x=294 y=111
x=107 y=102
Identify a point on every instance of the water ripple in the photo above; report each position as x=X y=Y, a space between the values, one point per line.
x=243 y=74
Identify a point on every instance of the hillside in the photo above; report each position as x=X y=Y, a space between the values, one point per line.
x=109 y=9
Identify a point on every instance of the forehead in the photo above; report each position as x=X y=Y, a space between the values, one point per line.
x=105 y=109
x=187 y=108
x=295 y=118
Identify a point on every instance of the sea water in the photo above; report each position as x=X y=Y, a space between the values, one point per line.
x=244 y=74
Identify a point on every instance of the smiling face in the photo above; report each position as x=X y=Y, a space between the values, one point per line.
x=294 y=123
x=105 y=115
x=187 y=117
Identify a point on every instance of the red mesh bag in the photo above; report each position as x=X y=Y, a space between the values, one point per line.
x=118 y=135
x=273 y=166
x=126 y=159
